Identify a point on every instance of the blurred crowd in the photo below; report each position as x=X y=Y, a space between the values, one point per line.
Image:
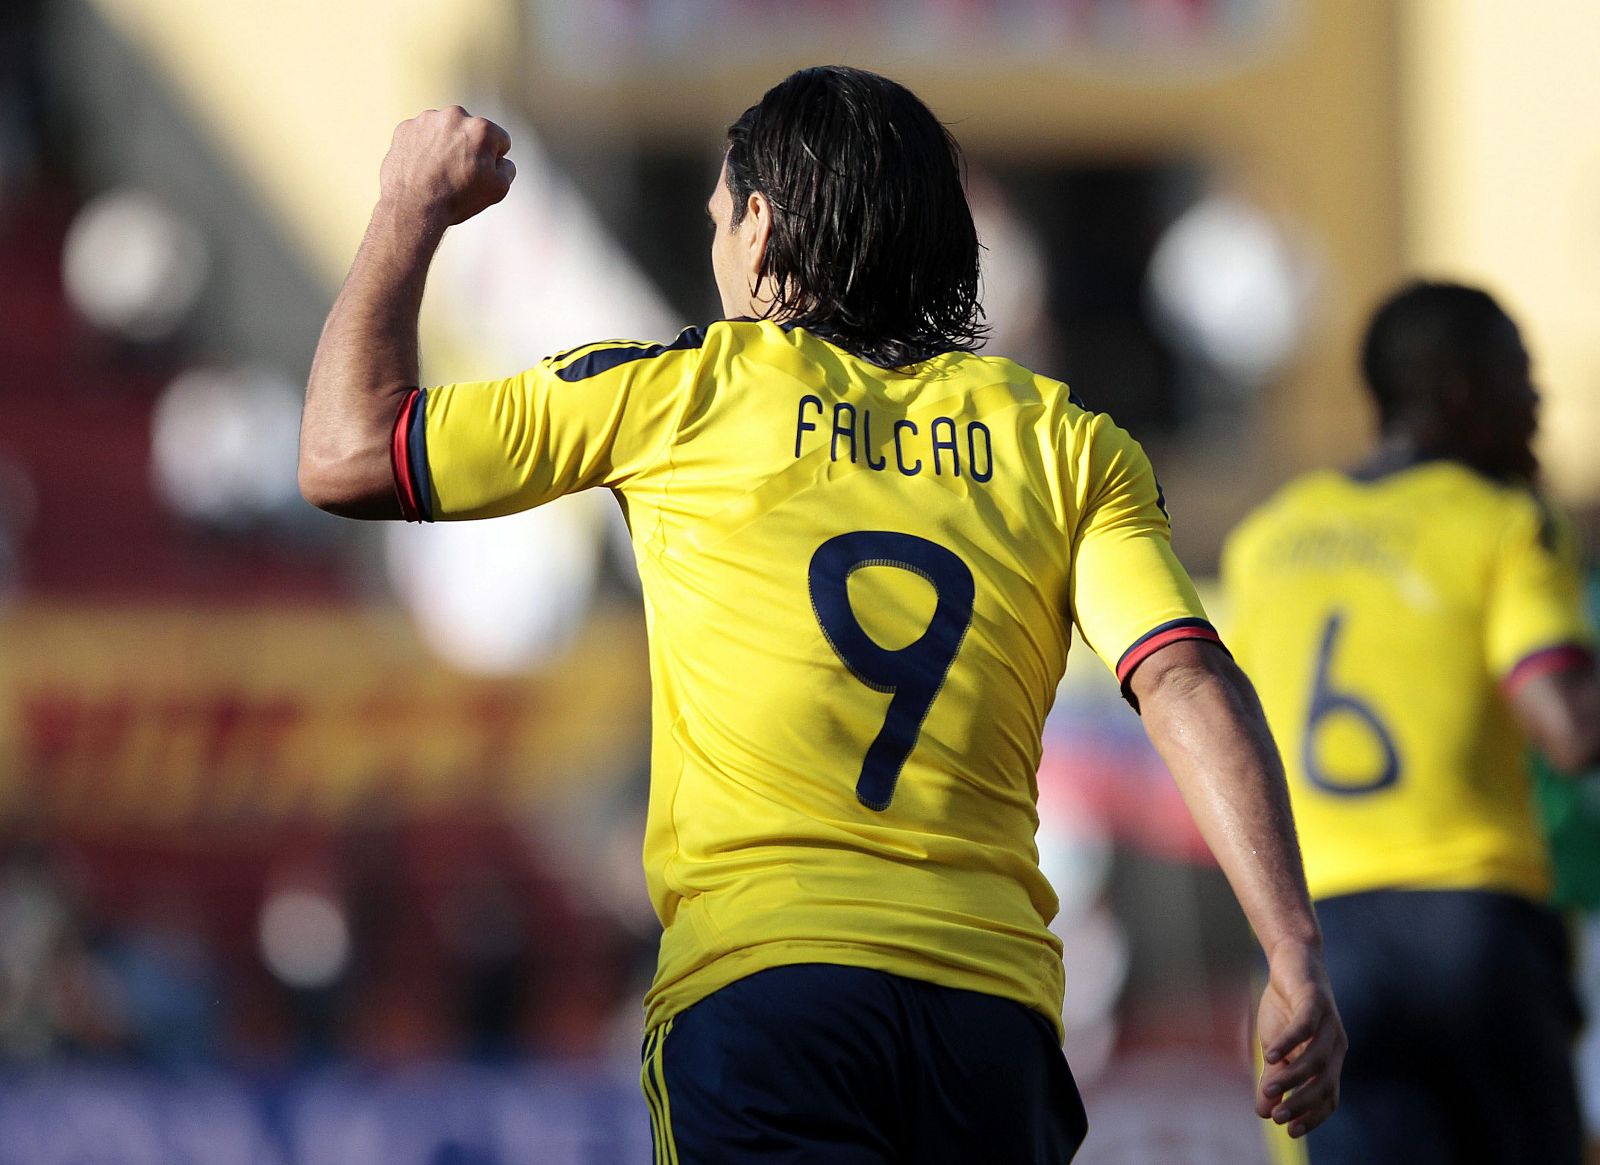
x=437 y=940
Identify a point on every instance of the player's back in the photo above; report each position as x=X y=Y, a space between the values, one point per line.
x=860 y=583
x=1379 y=620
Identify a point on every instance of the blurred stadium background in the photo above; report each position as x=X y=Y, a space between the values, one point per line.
x=319 y=842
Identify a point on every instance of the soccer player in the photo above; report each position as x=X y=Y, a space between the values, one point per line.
x=863 y=548
x=1411 y=626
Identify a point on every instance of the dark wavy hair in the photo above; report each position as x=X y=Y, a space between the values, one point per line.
x=872 y=242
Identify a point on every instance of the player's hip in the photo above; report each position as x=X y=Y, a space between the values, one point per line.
x=842 y=1064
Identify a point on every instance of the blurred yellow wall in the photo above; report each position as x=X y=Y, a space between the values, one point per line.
x=1502 y=180
x=303 y=95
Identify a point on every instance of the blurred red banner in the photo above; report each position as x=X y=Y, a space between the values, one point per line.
x=175 y=718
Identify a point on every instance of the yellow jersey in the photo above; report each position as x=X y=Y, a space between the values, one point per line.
x=859 y=586
x=1383 y=621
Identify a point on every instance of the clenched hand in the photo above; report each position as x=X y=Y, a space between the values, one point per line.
x=446 y=166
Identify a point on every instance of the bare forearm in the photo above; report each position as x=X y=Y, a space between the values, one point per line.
x=1561 y=713
x=1204 y=719
x=365 y=362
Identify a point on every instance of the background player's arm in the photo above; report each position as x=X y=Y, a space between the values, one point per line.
x=1535 y=636
x=442 y=168
x=1203 y=717
x=1560 y=711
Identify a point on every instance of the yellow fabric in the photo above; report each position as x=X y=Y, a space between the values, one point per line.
x=1393 y=610
x=737 y=455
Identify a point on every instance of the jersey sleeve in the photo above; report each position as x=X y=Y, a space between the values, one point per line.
x=1534 y=620
x=596 y=416
x=1130 y=595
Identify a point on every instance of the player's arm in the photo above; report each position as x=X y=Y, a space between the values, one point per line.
x=1135 y=604
x=1535 y=637
x=443 y=167
x=1560 y=712
x=1203 y=717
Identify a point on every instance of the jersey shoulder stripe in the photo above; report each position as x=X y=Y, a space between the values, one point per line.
x=601 y=359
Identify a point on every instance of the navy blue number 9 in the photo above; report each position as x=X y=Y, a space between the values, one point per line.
x=914 y=673
x=1325 y=702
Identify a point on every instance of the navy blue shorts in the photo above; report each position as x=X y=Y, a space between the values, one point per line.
x=1461 y=1017
x=836 y=1065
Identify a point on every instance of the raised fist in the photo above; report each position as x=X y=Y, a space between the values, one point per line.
x=446 y=162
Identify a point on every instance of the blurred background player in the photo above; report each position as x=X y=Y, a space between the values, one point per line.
x=856 y=964
x=1411 y=625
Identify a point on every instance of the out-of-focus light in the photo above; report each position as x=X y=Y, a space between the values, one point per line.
x=305 y=940
x=223 y=444
x=1095 y=954
x=542 y=273
x=1096 y=957
x=133 y=267
x=505 y=595
x=1226 y=283
x=1077 y=863
x=1012 y=268
x=1074 y=849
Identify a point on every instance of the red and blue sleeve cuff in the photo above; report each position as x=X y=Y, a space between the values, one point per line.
x=1559 y=657
x=408 y=456
x=1154 y=640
